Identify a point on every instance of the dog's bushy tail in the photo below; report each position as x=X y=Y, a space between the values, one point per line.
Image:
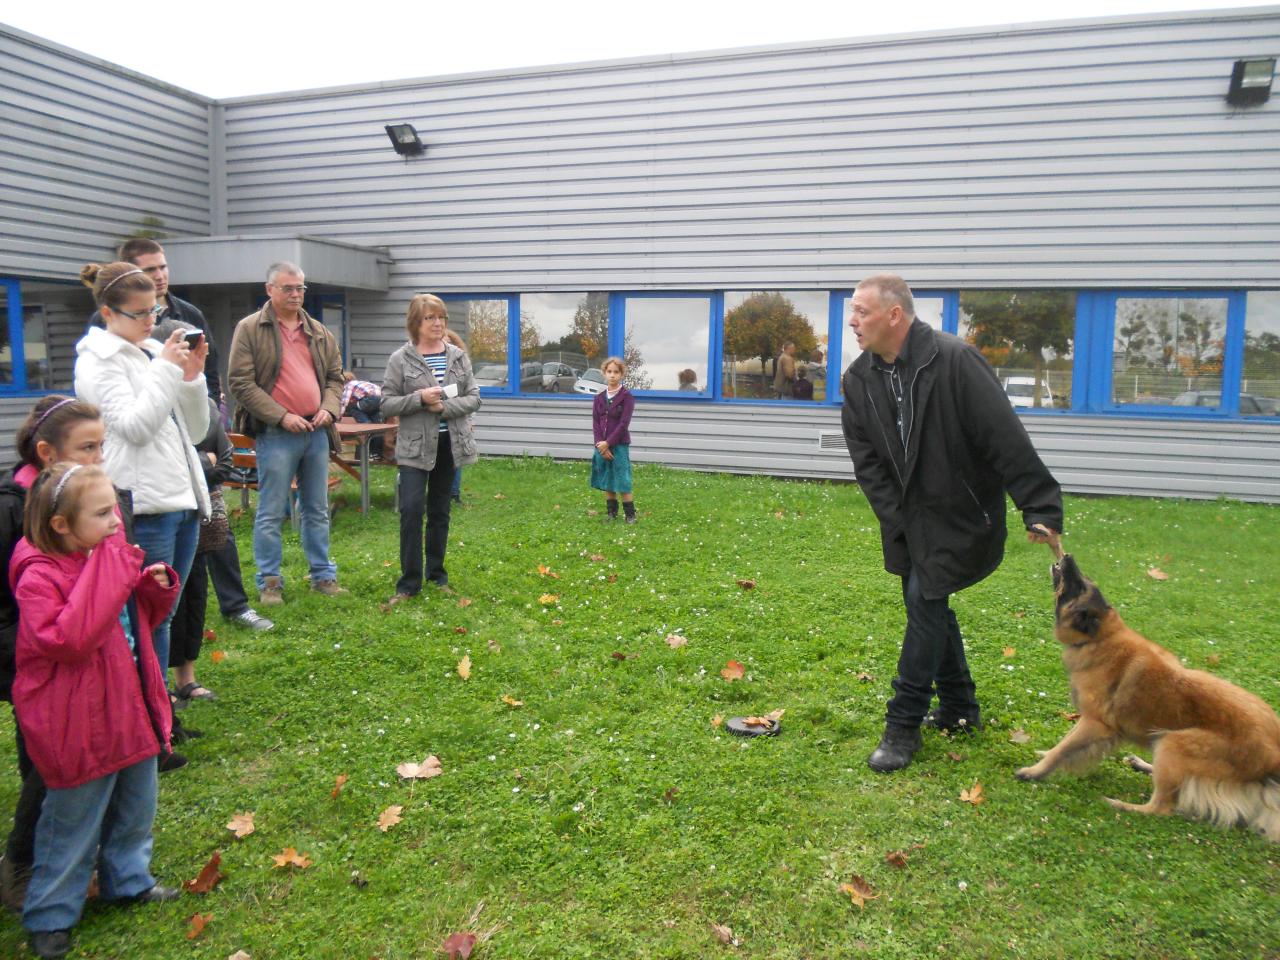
x=1254 y=806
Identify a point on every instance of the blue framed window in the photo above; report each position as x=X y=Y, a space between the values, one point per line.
x=1029 y=338
x=757 y=327
x=27 y=363
x=1172 y=352
x=564 y=338
x=484 y=322
x=670 y=342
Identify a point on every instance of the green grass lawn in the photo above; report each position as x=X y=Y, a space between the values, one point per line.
x=607 y=818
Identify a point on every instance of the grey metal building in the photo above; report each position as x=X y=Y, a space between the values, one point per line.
x=1086 y=181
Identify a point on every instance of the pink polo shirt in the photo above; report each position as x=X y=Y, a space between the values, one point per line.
x=296 y=389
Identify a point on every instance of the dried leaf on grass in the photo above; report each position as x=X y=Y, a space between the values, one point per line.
x=956 y=757
x=464 y=667
x=896 y=858
x=217 y=656
x=425 y=770
x=768 y=720
x=733 y=670
x=596 y=558
x=240 y=955
x=339 y=782
x=859 y=891
x=717 y=720
x=1009 y=651
x=546 y=571
x=548 y=598
x=458 y=946
x=973 y=794
x=511 y=701
x=197 y=925
x=390 y=817
x=724 y=934
x=460 y=630
x=746 y=584
x=208 y=878
x=1019 y=736
x=1072 y=716
x=675 y=641
x=241 y=824
x=620 y=656
x=499 y=496
x=1155 y=573
x=289 y=857
x=865 y=677
x=465 y=601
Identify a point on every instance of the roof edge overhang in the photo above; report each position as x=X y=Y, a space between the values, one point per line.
x=244 y=258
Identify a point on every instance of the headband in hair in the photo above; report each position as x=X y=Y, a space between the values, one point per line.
x=57 y=491
x=44 y=416
x=127 y=273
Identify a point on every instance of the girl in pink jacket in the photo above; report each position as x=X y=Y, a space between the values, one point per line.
x=90 y=698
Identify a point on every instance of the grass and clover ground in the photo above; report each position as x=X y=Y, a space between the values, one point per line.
x=607 y=818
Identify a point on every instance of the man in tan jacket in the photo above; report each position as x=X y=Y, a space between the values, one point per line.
x=285 y=372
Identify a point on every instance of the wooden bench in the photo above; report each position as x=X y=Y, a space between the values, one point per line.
x=244 y=457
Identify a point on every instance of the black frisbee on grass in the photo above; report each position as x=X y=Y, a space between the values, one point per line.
x=739 y=727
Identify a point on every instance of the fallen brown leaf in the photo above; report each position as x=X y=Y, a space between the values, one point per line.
x=239 y=955
x=547 y=571
x=865 y=677
x=957 y=757
x=339 y=782
x=1019 y=736
x=612 y=578
x=669 y=795
x=425 y=770
x=675 y=641
x=896 y=858
x=198 y=923
x=241 y=824
x=724 y=934
x=1213 y=659
x=390 y=817
x=458 y=946
x=747 y=584
x=460 y=630
x=620 y=656
x=1073 y=717
x=717 y=720
x=464 y=667
x=465 y=601
x=733 y=670
x=859 y=891
x=495 y=646
x=499 y=496
x=208 y=878
x=972 y=795
x=768 y=720
x=596 y=558
x=217 y=656
x=511 y=701
x=1008 y=651
x=548 y=598
x=1155 y=573
x=289 y=857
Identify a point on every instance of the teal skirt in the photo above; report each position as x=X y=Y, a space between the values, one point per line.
x=612 y=475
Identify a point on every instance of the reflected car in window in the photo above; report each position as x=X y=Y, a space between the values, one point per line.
x=591 y=381
x=1250 y=405
x=557 y=377
x=491 y=375
x=1021 y=392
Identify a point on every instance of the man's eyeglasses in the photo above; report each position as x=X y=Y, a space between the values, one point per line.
x=153 y=312
x=298 y=288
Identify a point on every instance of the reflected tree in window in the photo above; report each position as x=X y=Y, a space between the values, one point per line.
x=760 y=325
x=1260 y=388
x=590 y=336
x=485 y=329
x=1169 y=350
x=1027 y=332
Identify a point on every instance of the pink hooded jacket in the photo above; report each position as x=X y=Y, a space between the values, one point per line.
x=87 y=709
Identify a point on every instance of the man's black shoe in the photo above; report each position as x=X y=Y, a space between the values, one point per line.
x=897 y=747
x=172 y=761
x=945 y=721
x=51 y=943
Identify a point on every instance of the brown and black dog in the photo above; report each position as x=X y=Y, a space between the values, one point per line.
x=1217 y=746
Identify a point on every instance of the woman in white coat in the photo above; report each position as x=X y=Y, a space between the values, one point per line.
x=153 y=402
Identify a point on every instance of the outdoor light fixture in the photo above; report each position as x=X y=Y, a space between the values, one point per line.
x=405 y=139
x=1251 y=82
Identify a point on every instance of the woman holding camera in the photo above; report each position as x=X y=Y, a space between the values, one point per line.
x=155 y=407
x=430 y=387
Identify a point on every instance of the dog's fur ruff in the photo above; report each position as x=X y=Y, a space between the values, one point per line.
x=1216 y=746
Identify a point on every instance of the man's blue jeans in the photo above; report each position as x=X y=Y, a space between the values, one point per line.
x=282 y=456
x=932 y=658
x=107 y=820
x=171 y=538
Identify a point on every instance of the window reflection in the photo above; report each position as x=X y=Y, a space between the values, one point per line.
x=758 y=325
x=666 y=343
x=928 y=308
x=1260 y=386
x=566 y=337
x=1168 y=351
x=482 y=324
x=1028 y=336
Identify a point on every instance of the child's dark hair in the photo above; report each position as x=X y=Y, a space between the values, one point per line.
x=57 y=491
x=113 y=284
x=51 y=420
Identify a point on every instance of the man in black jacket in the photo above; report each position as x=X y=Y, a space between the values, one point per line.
x=935 y=444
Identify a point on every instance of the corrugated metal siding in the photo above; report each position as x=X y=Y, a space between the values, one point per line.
x=1090 y=154
x=88 y=152
x=1094 y=455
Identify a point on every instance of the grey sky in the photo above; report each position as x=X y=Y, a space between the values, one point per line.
x=237 y=48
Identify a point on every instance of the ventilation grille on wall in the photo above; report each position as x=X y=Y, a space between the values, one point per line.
x=831 y=441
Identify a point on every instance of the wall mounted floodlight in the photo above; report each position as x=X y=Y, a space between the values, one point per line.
x=405 y=139
x=1251 y=82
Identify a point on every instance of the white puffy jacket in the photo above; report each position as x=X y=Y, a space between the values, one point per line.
x=147 y=451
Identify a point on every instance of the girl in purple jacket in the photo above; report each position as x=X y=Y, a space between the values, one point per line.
x=611 y=419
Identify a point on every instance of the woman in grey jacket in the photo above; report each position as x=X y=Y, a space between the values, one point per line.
x=430 y=388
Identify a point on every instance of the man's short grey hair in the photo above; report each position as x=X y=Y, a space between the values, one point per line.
x=893 y=290
x=283 y=266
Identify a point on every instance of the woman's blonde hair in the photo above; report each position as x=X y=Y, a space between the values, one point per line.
x=622 y=364
x=57 y=492
x=419 y=307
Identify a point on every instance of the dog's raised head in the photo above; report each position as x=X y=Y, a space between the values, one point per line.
x=1080 y=606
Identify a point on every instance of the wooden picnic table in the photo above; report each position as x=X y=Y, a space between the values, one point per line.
x=362 y=433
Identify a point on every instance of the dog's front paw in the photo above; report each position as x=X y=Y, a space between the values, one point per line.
x=1028 y=773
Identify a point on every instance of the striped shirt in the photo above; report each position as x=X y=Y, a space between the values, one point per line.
x=439 y=363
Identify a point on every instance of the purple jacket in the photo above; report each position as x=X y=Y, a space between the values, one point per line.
x=610 y=421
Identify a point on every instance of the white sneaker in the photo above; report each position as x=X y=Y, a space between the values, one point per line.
x=253 y=620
